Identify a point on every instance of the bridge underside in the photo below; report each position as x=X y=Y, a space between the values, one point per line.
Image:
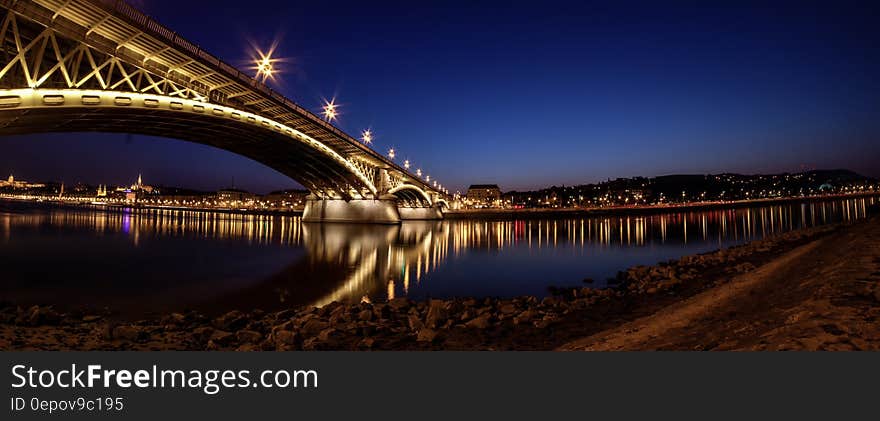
x=294 y=159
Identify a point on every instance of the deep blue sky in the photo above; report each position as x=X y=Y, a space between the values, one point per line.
x=529 y=94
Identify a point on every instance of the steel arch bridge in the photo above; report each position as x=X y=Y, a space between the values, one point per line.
x=102 y=65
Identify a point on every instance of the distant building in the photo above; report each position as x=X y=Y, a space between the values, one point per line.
x=484 y=195
x=286 y=199
x=235 y=197
x=11 y=182
x=141 y=187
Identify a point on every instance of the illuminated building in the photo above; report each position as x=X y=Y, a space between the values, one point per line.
x=484 y=195
x=12 y=183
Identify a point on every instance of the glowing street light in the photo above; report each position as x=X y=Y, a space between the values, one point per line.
x=330 y=111
x=406 y=164
x=419 y=172
x=264 y=64
x=428 y=178
x=367 y=136
x=391 y=153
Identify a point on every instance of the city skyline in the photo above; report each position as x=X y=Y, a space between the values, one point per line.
x=586 y=95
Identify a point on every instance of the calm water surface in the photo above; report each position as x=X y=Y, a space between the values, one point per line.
x=140 y=261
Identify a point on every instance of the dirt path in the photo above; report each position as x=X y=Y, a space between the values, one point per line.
x=821 y=296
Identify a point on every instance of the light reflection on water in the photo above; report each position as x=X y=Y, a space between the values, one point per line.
x=146 y=260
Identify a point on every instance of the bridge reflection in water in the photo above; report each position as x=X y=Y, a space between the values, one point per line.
x=162 y=260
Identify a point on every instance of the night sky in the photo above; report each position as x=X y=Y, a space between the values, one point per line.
x=528 y=94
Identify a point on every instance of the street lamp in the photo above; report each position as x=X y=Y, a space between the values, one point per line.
x=330 y=111
x=367 y=136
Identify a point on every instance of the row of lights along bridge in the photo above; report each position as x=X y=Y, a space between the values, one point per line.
x=266 y=67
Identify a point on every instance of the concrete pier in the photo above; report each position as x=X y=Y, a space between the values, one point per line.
x=420 y=214
x=367 y=211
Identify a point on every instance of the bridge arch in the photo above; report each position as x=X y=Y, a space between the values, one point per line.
x=282 y=148
x=412 y=194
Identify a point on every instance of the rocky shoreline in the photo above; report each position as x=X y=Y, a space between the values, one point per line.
x=521 y=323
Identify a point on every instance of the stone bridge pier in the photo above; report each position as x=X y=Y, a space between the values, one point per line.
x=396 y=202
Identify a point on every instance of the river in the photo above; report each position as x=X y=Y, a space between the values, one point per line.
x=139 y=262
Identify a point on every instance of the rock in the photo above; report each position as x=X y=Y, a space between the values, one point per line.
x=284 y=314
x=248 y=336
x=286 y=337
x=481 y=322
x=127 y=332
x=652 y=290
x=366 y=343
x=399 y=304
x=415 y=322
x=330 y=334
x=524 y=317
x=365 y=315
x=877 y=294
x=173 y=319
x=202 y=334
x=248 y=347
x=91 y=318
x=327 y=309
x=314 y=327
x=427 y=335
x=549 y=302
x=507 y=309
x=381 y=311
x=234 y=320
x=542 y=324
x=437 y=314
x=453 y=307
x=37 y=316
x=221 y=337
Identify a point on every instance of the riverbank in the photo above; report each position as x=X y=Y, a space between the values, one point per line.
x=571 y=319
x=550 y=213
x=824 y=295
x=116 y=207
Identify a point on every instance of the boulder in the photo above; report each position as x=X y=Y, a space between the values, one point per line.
x=415 y=322
x=437 y=314
x=481 y=322
x=128 y=332
x=427 y=335
x=366 y=343
x=286 y=337
x=221 y=337
x=524 y=317
x=37 y=315
x=234 y=320
x=365 y=315
x=330 y=334
x=399 y=304
x=248 y=336
x=314 y=327
x=507 y=309
x=202 y=334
